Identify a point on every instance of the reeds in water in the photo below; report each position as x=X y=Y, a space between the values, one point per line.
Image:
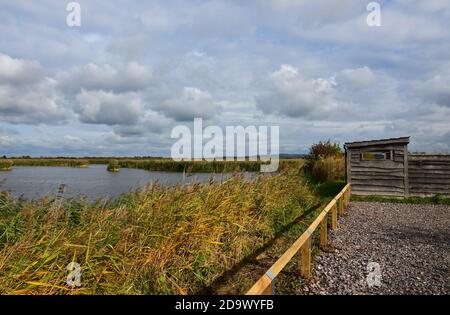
x=113 y=166
x=6 y=165
x=160 y=240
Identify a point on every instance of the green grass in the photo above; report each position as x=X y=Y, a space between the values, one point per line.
x=438 y=199
x=330 y=189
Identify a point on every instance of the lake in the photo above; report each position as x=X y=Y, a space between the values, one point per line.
x=94 y=182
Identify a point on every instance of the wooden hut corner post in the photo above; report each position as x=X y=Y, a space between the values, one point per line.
x=406 y=176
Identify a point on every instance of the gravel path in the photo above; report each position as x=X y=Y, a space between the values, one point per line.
x=410 y=243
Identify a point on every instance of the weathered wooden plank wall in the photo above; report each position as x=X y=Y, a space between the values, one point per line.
x=397 y=173
x=377 y=177
x=429 y=175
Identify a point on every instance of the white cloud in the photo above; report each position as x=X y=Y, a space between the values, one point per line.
x=19 y=71
x=100 y=107
x=289 y=93
x=135 y=71
x=26 y=95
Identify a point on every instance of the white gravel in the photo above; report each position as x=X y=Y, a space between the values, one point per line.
x=410 y=243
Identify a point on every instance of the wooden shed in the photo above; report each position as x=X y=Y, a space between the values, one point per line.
x=378 y=167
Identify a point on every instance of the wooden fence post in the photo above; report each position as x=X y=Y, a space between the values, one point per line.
x=302 y=246
x=305 y=259
x=334 y=217
x=341 y=206
x=324 y=233
x=347 y=197
x=268 y=290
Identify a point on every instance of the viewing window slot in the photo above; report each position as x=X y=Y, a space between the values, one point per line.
x=376 y=156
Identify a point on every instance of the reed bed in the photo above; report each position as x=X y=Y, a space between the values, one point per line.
x=160 y=164
x=5 y=164
x=54 y=162
x=168 y=165
x=159 y=240
x=79 y=163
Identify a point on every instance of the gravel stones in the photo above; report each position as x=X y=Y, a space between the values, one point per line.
x=386 y=248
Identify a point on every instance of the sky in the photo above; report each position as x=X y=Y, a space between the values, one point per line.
x=133 y=70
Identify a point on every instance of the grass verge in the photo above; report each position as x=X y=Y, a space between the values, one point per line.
x=438 y=199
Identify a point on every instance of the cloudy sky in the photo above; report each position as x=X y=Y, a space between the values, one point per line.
x=133 y=70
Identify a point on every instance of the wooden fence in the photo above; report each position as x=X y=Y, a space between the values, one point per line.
x=266 y=284
x=429 y=175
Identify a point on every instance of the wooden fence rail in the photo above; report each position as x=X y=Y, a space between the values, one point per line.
x=266 y=284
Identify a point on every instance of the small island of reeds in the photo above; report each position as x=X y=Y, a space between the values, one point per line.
x=113 y=166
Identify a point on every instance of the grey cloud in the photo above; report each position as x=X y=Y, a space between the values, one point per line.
x=386 y=77
x=7 y=136
x=122 y=78
x=192 y=102
x=357 y=79
x=100 y=107
x=30 y=105
x=129 y=47
x=314 y=14
x=436 y=89
x=150 y=124
x=26 y=95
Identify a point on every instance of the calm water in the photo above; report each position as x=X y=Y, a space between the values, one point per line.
x=94 y=182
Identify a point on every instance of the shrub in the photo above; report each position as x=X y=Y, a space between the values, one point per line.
x=323 y=150
x=325 y=162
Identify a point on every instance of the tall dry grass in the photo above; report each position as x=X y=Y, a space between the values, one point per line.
x=328 y=169
x=161 y=240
